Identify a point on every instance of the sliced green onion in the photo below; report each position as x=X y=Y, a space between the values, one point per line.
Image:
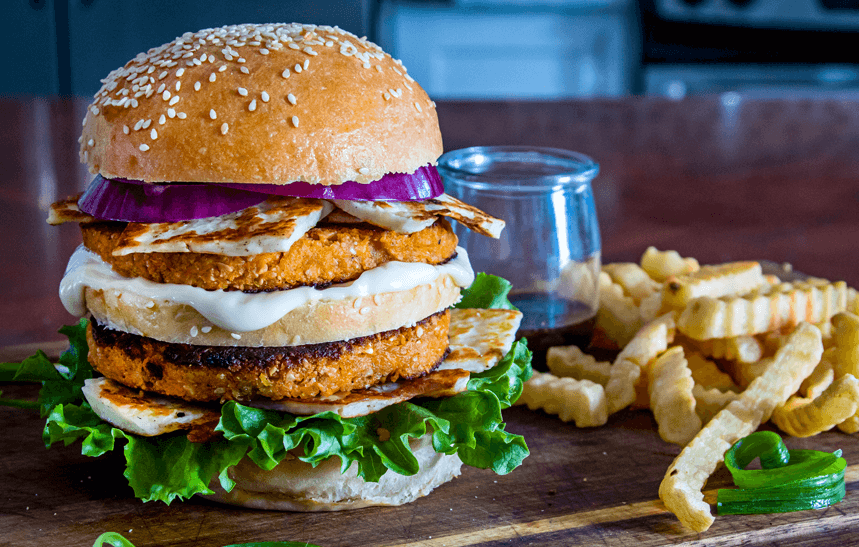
x=790 y=480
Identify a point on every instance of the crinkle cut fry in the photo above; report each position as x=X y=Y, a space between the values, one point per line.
x=785 y=306
x=732 y=278
x=581 y=401
x=662 y=264
x=651 y=340
x=681 y=487
x=671 y=398
x=572 y=362
x=803 y=417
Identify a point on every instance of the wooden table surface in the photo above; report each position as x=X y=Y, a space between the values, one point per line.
x=717 y=178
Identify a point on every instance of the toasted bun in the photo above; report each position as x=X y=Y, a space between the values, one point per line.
x=294 y=485
x=316 y=322
x=357 y=114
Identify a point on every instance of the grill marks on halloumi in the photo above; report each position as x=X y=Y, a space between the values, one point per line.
x=413 y=216
x=277 y=223
x=270 y=227
x=471 y=332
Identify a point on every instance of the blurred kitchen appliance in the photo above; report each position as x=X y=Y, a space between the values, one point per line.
x=764 y=48
x=494 y=49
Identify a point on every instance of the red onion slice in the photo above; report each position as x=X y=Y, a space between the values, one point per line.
x=136 y=201
x=128 y=201
x=425 y=183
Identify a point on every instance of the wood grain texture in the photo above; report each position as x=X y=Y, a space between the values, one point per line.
x=760 y=179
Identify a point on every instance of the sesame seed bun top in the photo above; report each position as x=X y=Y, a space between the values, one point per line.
x=265 y=104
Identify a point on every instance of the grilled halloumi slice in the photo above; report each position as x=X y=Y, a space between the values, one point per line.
x=412 y=216
x=478 y=341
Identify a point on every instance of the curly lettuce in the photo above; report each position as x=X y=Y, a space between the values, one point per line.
x=170 y=467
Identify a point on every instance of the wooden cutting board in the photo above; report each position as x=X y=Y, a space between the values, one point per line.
x=578 y=487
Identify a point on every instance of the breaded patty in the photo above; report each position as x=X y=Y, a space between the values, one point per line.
x=328 y=253
x=208 y=373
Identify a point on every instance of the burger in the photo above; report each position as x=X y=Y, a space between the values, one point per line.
x=276 y=313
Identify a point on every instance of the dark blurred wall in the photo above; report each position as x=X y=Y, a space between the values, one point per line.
x=66 y=46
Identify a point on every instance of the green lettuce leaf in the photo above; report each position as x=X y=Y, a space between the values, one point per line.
x=170 y=467
x=487 y=291
x=60 y=384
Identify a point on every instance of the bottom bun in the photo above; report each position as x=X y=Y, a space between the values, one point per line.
x=294 y=485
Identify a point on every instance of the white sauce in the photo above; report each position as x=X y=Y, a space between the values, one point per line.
x=243 y=312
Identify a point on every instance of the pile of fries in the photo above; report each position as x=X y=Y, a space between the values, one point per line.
x=713 y=352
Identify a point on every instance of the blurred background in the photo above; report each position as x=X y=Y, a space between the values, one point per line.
x=480 y=49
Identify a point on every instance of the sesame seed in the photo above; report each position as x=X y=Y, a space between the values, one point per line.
x=253 y=105
x=306 y=63
x=144 y=147
x=263 y=51
x=174 y=100
x=134 y=103
x=212 y=77
x=364 y=170
x=162 y=120
x=162 y=75
x=94 y=110
x=243 y=92
x=90 y=142
x=291 y=98
x=308 y=50
x=180 y=72
x=138 y=125
x=329 y=43
x=211 y=58
x=206 y=330
x=197 y=86
x=418 y=107
x=236 y=336
x=387 y=96
x=244 y=70
x=178 y=86
x=147 y=123
x=224 y=128
x=298 y=68
x=154 y=134
x=242 y=59
x=293 y=45
x=295 y=121
x=213 y=114
x=181 y=115
x=194 y=331
x=161 y=88
x=171 y=112
x=223 y=68
x=264 y=97
x=125 y=129
x=165 y=95
x=285 y=73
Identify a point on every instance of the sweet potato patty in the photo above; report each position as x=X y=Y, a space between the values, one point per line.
x=208 y=373
x=328 y=253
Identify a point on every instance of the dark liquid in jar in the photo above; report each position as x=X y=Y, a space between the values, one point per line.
x=551 y=321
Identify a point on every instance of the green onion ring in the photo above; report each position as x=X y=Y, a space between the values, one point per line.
x=790 y=480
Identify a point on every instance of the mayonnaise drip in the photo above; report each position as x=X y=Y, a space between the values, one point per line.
x=242 y=312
